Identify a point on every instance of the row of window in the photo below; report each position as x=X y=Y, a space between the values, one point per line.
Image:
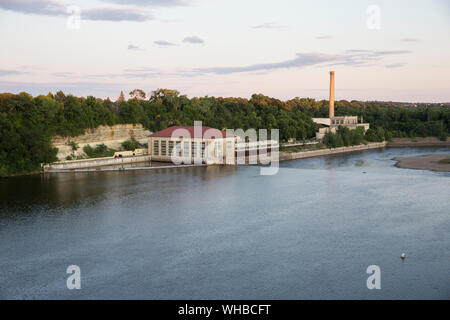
x=166 y=148
x=340 y=121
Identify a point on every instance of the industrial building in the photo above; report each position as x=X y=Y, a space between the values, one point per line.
x=332 y=123
x=192 y=144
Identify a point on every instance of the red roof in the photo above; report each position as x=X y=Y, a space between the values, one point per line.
x=207 y=132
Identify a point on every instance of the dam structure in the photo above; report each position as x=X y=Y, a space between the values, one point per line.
x=332 y=123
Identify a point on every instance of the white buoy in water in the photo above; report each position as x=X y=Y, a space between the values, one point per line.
x=403 y=256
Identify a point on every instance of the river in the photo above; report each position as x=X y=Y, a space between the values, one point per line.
x=309 y=232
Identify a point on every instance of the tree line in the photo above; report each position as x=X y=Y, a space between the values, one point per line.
x=27 y=123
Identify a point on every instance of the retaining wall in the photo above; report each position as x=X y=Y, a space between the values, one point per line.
x=322 y=152
x=90 y=163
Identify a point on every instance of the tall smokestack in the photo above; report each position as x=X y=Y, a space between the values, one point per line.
x=331 y=94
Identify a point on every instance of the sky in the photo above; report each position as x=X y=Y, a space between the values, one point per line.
x=380 y=50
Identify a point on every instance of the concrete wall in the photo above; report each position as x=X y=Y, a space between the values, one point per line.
x=91 y=163
x=112 y=137
x=322 y=152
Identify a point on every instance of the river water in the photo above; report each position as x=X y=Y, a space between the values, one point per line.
x=309 y=232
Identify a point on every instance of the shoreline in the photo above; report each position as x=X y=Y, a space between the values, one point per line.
x=426 y=162
x=417 y=142
x=287 y=156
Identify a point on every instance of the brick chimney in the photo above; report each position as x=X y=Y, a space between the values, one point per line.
x=331 y=94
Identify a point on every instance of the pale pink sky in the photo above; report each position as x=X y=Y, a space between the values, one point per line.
x=380 y=50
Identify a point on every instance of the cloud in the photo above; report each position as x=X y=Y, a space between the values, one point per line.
x=389 y=52
x=65 y=74
x=155 y=3
x=349 y=58
x=137 y=73
x=395 y=65
x=268 y=25
x=193 y=39
x=11 y=72
x=57 y=8
x=80 y=88
x=141 y=73
x=133 y=47
x=117 y=14
x=302 y=59
x=410 y=40
x=44 y=7
x=325 y=37
x=164 y=43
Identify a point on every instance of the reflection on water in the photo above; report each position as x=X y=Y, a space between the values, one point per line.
x=67 y=189
x=226 y=232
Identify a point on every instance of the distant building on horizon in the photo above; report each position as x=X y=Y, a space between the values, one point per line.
x=332 y=123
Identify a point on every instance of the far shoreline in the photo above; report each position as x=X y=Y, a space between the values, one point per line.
x=417 y=142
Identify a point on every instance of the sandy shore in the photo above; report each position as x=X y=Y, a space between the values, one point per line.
x=428 y=162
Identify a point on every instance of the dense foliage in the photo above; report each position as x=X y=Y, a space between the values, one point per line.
x=27 y=123
x=344 y=137
x=132 y=144
x=99 y=151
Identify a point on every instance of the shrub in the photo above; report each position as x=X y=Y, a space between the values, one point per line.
x=131 y=144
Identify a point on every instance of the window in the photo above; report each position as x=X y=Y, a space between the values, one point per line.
x=178 y=148
x=163 y=148
x=229 y=150
x=217 y=149
x=156 y=148
x=186 y=149
x=194 y=150
x=170 y=148
x=203 y=150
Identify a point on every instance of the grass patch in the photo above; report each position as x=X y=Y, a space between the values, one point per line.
x=445 y=161
x=308 y=147
x=100 y=151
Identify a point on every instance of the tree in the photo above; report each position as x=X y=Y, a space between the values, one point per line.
x=121 y=97
x=131 y=144
x=138 y=94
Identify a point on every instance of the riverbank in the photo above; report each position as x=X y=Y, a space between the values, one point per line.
x=418 y=142
x=428 y=162
x=285 y=156
x=91 y=163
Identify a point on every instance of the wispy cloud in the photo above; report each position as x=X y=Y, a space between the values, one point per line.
x=133 y=47
x=324 y=37
x=136 y=73
x=395 y=65
x=4 y=72
x=354 y=57
x=79 y=88
x=269 y=25
x=57 y=8
x=164 y=43
x=302 y=59
x=410 y=40
x=117 y=14
x=140 y=73
x=154 y=3
x=193 y=39
x=349 y=58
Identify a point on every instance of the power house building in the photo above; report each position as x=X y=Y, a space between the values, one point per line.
x=192 y=145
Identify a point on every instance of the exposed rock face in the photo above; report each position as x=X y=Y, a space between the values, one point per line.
x=110 y=136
